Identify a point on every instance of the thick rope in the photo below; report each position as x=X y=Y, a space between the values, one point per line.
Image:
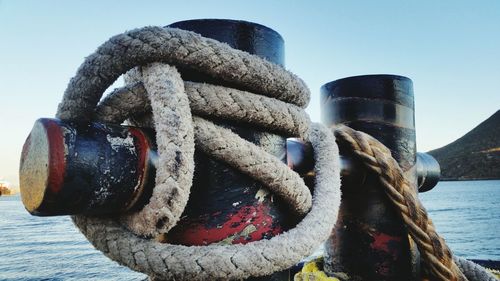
x=205 y=100
x=157 y=87
x=177 y=47
x=436 y=255
x=473 y=271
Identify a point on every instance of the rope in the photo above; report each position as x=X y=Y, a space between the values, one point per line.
x=154 y=86
x=437 y=257
x=313 y=271
x=473 y=271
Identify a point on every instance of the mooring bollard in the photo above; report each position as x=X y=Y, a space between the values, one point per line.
x=369 y=241
x=224 y=205
x=300 y=159
x=100 y=169
x=85 y=168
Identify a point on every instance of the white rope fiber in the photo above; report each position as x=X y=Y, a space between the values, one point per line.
x=154 y=85
x=155 y=95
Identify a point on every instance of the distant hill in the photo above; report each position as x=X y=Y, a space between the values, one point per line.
x=476 y=155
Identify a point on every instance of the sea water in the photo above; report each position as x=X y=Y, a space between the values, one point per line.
x=466 y=214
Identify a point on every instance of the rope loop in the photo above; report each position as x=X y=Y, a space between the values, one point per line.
x=180 y=111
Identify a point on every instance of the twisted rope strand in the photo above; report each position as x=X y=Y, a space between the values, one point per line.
x=156 y=89
x=437 y=257
x=205 y=100
x=177 y=47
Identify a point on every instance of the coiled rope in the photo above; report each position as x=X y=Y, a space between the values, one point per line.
x=439 y=263
x=277 y=104
x=154 y=86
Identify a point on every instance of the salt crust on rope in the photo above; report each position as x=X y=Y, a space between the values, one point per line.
x=127 y=240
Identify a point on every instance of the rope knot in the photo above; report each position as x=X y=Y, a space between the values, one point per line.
x=180 y=111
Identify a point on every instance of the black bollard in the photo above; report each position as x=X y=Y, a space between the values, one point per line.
x=300 y=158
x=98 y=169
x=428 y=172
x=224 y=206
x=85 y=168
x=369 y=241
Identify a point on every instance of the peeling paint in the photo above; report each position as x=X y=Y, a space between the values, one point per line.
x=119 y=142
x=261 y=194
x=244 y=234
x=250 y=223
x=386 y=243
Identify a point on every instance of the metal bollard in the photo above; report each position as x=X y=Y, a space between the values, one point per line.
x=224 y=205
x=94 y=169
x=100 y=169
x=428 y=172
x=85 y=168
x=369 y=241
x=300 y=158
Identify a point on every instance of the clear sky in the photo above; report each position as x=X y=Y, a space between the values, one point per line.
x=450 y=49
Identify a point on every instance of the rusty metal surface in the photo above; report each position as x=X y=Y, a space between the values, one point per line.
x=366 y=242
x=369 y=241
x=227 y=207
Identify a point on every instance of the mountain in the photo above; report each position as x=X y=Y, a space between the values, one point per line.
x=476 y=155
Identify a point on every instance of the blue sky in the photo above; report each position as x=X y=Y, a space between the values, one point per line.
x=450 y=49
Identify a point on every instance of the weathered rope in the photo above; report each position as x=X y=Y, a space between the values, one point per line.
x=156 y=86
x=473 y=271
x=437 y=257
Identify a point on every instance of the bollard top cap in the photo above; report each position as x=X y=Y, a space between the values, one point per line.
x=394 y=88
x=247 y=36
x=42 y=164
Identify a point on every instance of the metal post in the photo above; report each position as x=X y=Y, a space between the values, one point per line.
x=224 y=206
x=85 y=168
x=369 y=241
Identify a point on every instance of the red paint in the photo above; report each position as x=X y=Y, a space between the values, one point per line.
x=142 y=147
x=386 y=243
x=57 y=161
x=390 y=247
x=196 y=233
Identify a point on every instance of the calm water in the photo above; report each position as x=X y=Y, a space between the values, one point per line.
x=467 y=214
